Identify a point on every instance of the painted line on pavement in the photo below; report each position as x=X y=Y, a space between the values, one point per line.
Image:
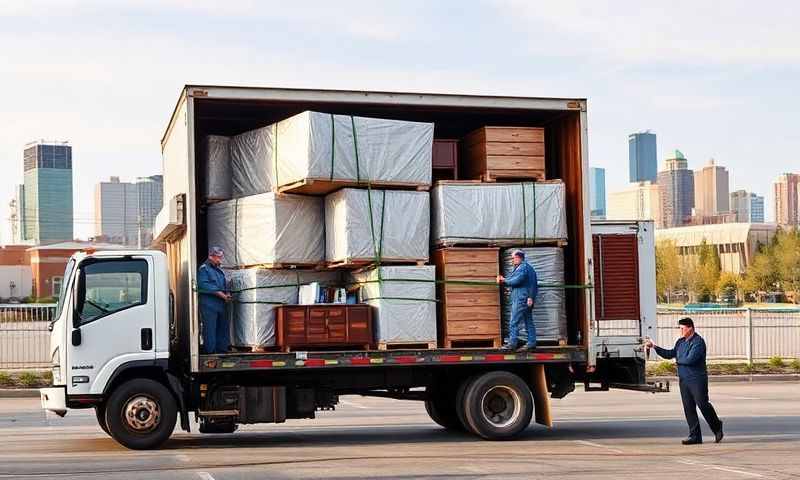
x=721 y=468
x=205 y=475
x=598 y=445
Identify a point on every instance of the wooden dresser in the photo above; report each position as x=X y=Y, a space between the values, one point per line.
x=323 y=325
x=469 y=315
x=504 y=153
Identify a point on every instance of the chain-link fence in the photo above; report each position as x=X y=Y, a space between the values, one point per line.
x=24 y=335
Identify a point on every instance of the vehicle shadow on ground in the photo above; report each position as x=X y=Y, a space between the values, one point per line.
x=393 y=434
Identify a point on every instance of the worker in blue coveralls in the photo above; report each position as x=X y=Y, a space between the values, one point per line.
x=524 y=287
x=690 y=355
x=213 y=296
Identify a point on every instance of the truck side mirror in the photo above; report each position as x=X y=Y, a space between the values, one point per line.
x=76 y=337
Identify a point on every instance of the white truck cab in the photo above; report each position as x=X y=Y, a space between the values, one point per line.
x=112 y=316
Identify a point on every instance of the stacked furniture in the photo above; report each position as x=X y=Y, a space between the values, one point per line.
x=315 y=326
x=469 y=298
x=492 y=153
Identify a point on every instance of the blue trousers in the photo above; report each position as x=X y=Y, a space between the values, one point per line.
x=521 y=313
x=694 y=395
x=216 y=332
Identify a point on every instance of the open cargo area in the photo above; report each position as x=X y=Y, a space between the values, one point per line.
x=484 y=201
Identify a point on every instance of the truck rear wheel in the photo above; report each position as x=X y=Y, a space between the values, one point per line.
x=498 y=405
x=441 y=407
x=141 y=414
x=100 y=413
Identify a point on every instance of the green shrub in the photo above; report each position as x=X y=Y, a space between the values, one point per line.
x=795 y=365
x=664 y=368
x=5 y=379
x=29 y=379
x=775 y=361
x=750 y=368
x=47 y=377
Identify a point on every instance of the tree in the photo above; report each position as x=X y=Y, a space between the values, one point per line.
x=668 y=269
x=728 y=287
x=706 y=271
x=787 y=261
x=762 y=273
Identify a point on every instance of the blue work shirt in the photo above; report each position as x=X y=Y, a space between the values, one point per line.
x=210 y=279
x=690 y=355
x=523 y=282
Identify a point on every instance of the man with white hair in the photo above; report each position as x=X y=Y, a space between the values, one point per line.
x=524 y=288
x=213 y=296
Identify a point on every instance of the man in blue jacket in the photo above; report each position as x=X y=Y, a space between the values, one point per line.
x=690 y=355
x=213 y=296
x=524 y=287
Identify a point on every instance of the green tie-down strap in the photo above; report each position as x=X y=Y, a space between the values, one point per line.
x=471 y=282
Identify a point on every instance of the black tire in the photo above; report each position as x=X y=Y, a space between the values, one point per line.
x=100 y=414
x=460 y=400
x=441 y=407
x=141 y=414
x=498 y=406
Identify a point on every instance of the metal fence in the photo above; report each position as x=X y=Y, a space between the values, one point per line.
x=24 y=335
x=738 y=333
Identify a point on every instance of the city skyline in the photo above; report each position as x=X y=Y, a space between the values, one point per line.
x=644 y=67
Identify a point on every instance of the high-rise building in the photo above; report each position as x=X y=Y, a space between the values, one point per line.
x=787 y=199
x=47 y=209
x=676 y=184
x=597 y=192
x=640 y=201
x=748 y=207
x=711 y=190
x=116 y=211
x=642 y=157
x=151 y=198
x=125 y=211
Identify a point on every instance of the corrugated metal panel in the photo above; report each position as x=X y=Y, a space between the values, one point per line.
x=616 y=273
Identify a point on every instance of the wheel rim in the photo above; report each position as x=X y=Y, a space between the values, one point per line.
x=501 y=406
x=142 y=414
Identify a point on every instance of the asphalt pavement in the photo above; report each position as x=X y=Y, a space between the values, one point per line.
x=598 y=435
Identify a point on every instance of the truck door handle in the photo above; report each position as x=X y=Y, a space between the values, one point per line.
x=147 y=339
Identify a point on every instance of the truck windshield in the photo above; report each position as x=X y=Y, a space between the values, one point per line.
x=64 y=283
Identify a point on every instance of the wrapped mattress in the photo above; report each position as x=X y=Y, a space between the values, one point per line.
x=549 y=311
x=498 y=213
x=338 y=148
x=218 y=168
x=258 y=292
x=268 y=229
x=400 y=226
x=405 y=311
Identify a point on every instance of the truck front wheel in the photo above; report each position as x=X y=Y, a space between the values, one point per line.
x=141 y=414
x=498 y=405
x=100 y=413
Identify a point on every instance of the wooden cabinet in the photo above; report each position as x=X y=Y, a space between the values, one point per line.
x=445 y=159
x=492 y=153
x=308 y=326
x=469 y=314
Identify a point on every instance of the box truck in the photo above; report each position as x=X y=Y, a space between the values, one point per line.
x=126 y=340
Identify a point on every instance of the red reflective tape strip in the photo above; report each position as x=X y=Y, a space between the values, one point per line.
x=544 y=356
x=449 y=358
x=405 y=359
x=359 y=361
x=314 y=362
x=494 y=357
x=261 y=363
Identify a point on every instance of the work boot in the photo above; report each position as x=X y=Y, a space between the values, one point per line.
x=525 y=348
x=507 y=347
x=718 y=434
x=691 y=441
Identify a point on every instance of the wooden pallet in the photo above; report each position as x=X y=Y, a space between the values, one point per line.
x=492 y=176
x=473 y=342
x=320 y=186
x=406 y=345
x=501 y=243
x=281 y=266
x=363 y=263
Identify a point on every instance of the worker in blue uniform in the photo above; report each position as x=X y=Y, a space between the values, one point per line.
x=524 y=288
x=213 y=296
x=690 y=355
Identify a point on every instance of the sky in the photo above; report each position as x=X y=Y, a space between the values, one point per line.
x=712 y=79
